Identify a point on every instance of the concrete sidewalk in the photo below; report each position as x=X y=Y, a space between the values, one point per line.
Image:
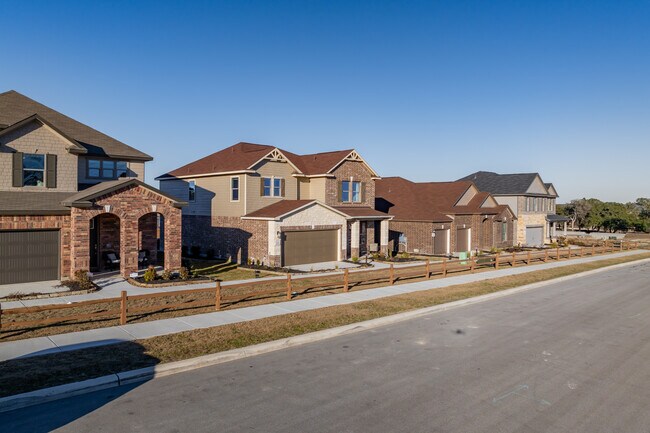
x=103 y=336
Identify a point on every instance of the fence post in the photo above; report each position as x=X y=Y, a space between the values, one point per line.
x=428 y=269
x=558 y=254
x=0 y=316
x=528 y=258
x=217 y=296
x=346 y=285
x=545 y=255
x=288 y=286
x=472 y=264
x=593 y=250
x=444 y=267
x=392 y=275
x=621 y=246
x=514 y=259
x=582 y=251
x=496 y=262
x=123 y=308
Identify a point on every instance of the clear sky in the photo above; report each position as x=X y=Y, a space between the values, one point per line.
x=430 y=90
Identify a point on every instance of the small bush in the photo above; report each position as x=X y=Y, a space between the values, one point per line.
x=258 y=262
x=150 y=274
x=405 y=255
x=184 y=273
x=166 y=275
x=82 y=280
x=355 y=259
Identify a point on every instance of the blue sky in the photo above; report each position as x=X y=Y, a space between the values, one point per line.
x=431 y=91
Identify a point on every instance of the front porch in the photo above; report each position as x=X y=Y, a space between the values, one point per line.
x=125 y=225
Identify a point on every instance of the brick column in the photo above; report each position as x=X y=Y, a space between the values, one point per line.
x=128 y=246
x=383 y=236
x=354 y=242
x=173 y=238
x=80 y=241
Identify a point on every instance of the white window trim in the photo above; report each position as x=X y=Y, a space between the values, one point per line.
x=272 y=188
x=350 y=191
x=238 y=188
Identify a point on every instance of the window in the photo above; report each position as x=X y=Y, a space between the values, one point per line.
x=191 y=190
x=107 y=169
x=234 y=188
x=33 y=169
x=504 y=231
x=272 y=187
x=350 y=191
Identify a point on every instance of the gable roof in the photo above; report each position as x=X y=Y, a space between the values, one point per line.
x=282 y=208
x=74 y=147
x=15 y=108
x=429 y=201
x=506 y=184
x=84 y=198
x=242 y=157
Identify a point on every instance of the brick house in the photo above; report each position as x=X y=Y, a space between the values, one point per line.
x=261 y=203
x=70 y=195
x=443 y=218
x=532 y=201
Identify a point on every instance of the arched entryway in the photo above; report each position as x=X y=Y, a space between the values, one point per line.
x=151 y=240
x=104 y=240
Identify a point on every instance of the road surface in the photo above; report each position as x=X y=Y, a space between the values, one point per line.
x=569 y=357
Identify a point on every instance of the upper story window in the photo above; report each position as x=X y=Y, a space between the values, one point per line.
x=106 y=169
x=351 y=191
x=191 y=193
x=234 y=188
x=33 y=170
x=272 y=187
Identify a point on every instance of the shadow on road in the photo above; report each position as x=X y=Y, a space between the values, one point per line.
x=19 y=376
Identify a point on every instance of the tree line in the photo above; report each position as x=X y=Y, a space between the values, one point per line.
x=591 y=214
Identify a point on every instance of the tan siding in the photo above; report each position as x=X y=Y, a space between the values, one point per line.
x=510 y=201
x=318 y=189
x=267 y=169
x=537 y=187
x=37 y=138
x=304 y=189
x=467 y=197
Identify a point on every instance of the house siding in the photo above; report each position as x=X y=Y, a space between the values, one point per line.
x=267 y=169
x=41 y=139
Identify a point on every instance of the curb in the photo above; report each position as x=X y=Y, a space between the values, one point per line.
x=45 y=395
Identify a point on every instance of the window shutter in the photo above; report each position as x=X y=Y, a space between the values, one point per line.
x=340 y=191
x=363 y=192
x=282 y=187
x=261 y=187
x=18 y=170
x=50 y=171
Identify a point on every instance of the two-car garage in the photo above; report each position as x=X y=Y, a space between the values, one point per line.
x=29 y=255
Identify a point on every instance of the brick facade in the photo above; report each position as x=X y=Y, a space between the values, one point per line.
x=129 y=205
x=346 y=171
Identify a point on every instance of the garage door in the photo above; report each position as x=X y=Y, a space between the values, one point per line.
x=462 y=240
x=441 y=242
x=27 y=256
x=535 y=236
x=312 y=246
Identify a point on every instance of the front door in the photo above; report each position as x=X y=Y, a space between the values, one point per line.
x=94 y=245
x=363 y=238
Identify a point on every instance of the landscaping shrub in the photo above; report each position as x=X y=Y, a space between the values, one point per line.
x=405 y=255
x=166 y=275
x=184 y=273
x=82 y=280
x=149 y=275
x=355 y=259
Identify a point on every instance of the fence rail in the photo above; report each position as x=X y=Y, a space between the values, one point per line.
x=348 y=281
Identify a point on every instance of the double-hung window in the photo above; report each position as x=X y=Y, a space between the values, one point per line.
x=33 y=169
x=504 y=231
x=272 y=187
x=191 y=193
x=234 y=188
x=107 y=169
x=350 y=191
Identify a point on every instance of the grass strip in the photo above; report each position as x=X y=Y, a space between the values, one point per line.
x=23 y=375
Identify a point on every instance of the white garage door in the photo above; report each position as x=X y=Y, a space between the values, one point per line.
x=534 y=236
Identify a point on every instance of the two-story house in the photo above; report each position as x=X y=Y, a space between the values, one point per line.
x=70 y=194
x=261 y=203
x=532 y=201
x=443 y=218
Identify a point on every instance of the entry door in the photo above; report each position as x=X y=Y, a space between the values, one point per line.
x=441 y=242
x=462 y=240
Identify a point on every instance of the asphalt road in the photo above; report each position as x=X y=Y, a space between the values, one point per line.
x=569 y=357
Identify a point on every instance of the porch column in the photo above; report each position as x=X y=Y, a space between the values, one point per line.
x=354 y=242
x=383 y=236
x=128 y=246
x=172 y=239
x=79 y=242
x=565 y=224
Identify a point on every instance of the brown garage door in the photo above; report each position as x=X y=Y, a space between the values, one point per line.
x=27 y=256
x=312 y=246
x=440 y=242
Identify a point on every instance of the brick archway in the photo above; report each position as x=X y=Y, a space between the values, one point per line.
x=129 y=204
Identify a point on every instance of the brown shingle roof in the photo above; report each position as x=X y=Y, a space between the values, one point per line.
x=33 y=203
x=15 y=107
x=242 y=156
x=427 y=201
x=84 y=197
x=278 y=209
x=361 y=212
